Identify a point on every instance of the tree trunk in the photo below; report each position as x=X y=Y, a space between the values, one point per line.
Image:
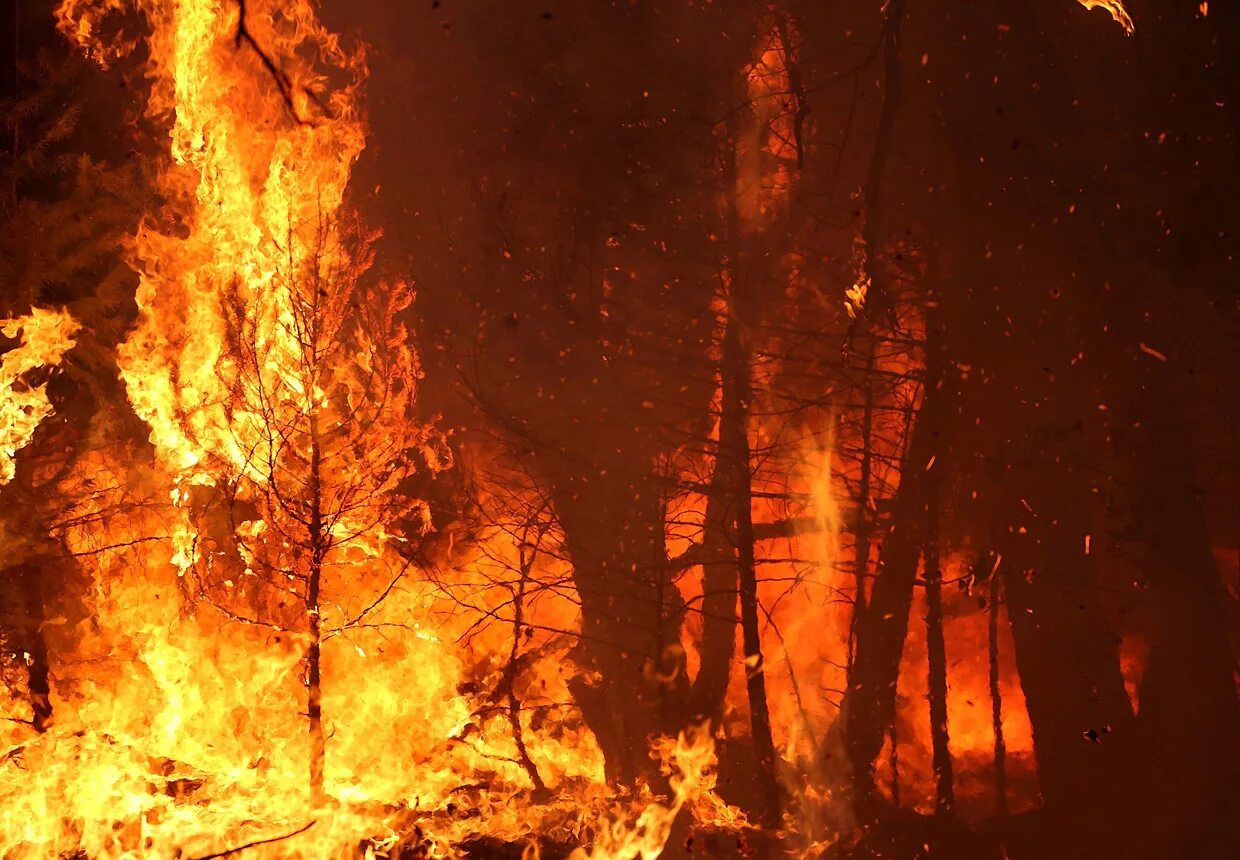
x=869 y=705
x=318 y=551
x=1189 y=720
x=613 y=532
x=996 y=698
x=936 y=647
x=936 y=655
x=717 y=648
x=1069 y=669
x=734 y=456
x=509 y=681
x=864 y=525
x=29 y=577
x=870 y=701
x=734 y=460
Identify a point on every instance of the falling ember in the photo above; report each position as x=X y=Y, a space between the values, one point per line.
x=45 y=336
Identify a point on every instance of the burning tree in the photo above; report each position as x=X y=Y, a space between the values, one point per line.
x=759 y=371
x=320 y=384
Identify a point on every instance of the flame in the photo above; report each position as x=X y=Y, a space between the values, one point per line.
x=970 y=729
x=46 y=335
x=180 y=684
x=1117 y=11
x=855 y=295
x=769 y=144
x=1134 y=654
x=181 y=660
x=247 y=176
x=691 y=759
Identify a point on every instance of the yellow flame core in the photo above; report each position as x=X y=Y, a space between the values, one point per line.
x=244 y=174
x=690 y=759
x=46 y=335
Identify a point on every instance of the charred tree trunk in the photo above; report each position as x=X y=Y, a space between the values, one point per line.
x=879 y=625
x=864 y=525
x=936 y=647
x=38 y=667
x=996 y=697
x=936 y=655
x=1189 y=720
x=734 y=455
x=614 y=534
x=873 y=231
x=734 y=460
x=318 y=551
x=870 y=701
x=719 y=595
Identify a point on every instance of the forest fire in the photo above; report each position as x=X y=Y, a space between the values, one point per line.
x=611 y=431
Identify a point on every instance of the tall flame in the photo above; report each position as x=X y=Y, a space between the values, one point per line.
x=246 y=169
x=187 y=729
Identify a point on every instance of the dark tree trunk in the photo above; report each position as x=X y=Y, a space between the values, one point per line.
x=1069 y=670
x=734 y=456
x=734 y=460
x=719 y=595
x=318 y=552
x=864 y=523
x=30 y=583
x=37 y=666
x=508 y=684
x=880 y=625
x=869 y=704
x=630 y=620
x=996 y=697
x=1189 y=722
x=936 y=656
x=936 y=647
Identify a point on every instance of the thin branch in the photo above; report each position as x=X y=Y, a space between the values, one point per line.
x=231 y=851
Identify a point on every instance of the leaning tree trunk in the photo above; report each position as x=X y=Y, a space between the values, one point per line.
x=869 y=706
x=864 y=523
x=936 y=647
x=936 y=654
x=880 y=625
x=1189 y=720
x=734 y=459
x=996 y=697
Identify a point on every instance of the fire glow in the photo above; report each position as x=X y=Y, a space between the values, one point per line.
x=275 y=602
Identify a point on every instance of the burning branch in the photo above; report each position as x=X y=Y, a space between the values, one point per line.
x=796 y=86
x=231 y=851
x=284 y=83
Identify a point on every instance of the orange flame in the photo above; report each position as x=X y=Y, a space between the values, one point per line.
x=46 y=335
x=1117 y=11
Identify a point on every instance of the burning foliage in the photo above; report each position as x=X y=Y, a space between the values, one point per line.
x=736 y=485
